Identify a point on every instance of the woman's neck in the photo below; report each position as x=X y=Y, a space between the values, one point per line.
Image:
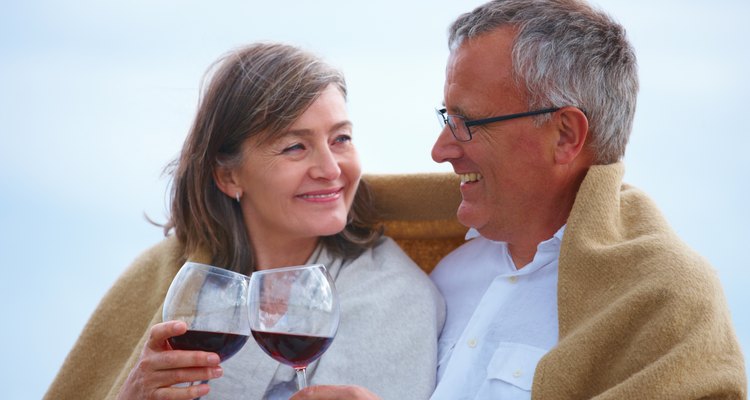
x=273 y=253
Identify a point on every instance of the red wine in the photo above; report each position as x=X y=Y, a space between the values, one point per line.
x=294 y=350
x=223 y=344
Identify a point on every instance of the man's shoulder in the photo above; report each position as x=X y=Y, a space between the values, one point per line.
x=472 y=248
x=466 y=264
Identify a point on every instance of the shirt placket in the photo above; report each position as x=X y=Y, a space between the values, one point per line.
x=470 y=343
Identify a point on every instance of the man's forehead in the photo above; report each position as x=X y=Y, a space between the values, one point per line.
x=479 y=74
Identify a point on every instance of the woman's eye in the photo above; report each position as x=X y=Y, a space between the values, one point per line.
x=343 y=139
x=294 y=147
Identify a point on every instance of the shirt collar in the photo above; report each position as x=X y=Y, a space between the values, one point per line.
x=472 y=233
x=546 y=252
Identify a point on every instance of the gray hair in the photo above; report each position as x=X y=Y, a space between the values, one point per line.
x=567 y=53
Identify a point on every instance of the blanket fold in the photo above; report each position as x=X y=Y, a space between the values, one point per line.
x=641 y=315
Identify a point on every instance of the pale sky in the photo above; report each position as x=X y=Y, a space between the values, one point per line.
x=96 y=98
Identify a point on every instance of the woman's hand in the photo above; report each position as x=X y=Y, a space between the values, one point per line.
x=329 y=392
x=160 y=367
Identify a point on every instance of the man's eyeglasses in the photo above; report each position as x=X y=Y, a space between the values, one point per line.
x=459 y=125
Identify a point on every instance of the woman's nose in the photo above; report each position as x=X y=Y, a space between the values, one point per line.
x=326 y=165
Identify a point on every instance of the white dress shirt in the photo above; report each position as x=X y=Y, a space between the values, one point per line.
x=500 y=320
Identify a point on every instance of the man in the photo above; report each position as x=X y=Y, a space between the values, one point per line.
x=573 y=285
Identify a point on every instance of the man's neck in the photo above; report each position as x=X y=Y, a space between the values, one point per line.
x=523 y=252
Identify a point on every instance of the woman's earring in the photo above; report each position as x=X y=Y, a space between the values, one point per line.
x=237 y=196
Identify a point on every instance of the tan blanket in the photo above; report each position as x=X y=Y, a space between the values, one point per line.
x=418 y=211
x=116 y=328
x=642 y=316
x=401 y=334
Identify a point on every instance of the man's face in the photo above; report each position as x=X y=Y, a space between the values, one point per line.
x=505 y=168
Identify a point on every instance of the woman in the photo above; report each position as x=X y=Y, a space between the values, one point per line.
x=268 y=177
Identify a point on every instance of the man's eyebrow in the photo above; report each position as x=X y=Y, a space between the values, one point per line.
x=457 y=110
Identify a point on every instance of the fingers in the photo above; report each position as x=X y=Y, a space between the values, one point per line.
x=146 y=383
x=157 y=357
x=160 y=367
x=169 y=377
x=188 y=393
x=159 y=334
x=156 y=385
x=180 y=393
x=330 y=392
x=179 y=359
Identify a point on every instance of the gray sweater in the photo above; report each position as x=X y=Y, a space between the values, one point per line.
x=391 y=316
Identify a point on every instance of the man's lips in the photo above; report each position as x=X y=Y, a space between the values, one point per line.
x=470 y=177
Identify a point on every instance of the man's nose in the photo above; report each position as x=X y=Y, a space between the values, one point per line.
x=446 y=147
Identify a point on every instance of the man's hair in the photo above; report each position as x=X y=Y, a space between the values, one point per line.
x=567 y=53
x=255 y=91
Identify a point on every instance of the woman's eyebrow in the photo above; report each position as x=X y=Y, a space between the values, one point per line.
x=308 y=132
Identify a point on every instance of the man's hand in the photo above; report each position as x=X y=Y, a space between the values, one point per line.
x=327 y=392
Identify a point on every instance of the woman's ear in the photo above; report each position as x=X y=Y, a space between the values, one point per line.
x=227 y=181
x=573 y=132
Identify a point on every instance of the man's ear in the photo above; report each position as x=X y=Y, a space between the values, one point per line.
x=227 y=181
x=573 y=131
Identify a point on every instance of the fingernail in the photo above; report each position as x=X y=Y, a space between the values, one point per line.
x=177 y=327
x=217 y=372
x=213 y=359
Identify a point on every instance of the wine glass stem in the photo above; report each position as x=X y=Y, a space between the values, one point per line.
x=301 y=378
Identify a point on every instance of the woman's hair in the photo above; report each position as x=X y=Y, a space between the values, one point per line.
x=254 y=91
x=567 y=54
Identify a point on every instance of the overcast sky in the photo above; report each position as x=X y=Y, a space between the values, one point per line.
x=96 y=98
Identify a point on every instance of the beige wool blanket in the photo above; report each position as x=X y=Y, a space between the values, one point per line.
x=641 y=315
x=111 y=341
x=418 y=210
x=391 y=316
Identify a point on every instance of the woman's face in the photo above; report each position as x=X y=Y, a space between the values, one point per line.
x=302 y=184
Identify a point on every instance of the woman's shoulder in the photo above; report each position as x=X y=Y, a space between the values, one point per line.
x=387 y=249
x=388 y=256
x=387 y=265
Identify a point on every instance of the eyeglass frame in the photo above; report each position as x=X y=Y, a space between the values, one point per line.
x=444 y=119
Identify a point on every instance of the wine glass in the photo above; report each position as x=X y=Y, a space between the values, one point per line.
x=294 y=314
x=213 y=302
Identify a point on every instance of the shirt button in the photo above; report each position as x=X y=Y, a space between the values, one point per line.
x=517 y=373
x=471 y=343
x=513 y=279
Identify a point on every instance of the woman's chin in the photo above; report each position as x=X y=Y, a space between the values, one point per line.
x=332 y=228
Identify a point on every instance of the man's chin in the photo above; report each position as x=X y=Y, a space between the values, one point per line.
x=470 y=218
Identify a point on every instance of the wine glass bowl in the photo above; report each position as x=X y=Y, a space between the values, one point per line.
x=212 y=302
x=294 y=314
